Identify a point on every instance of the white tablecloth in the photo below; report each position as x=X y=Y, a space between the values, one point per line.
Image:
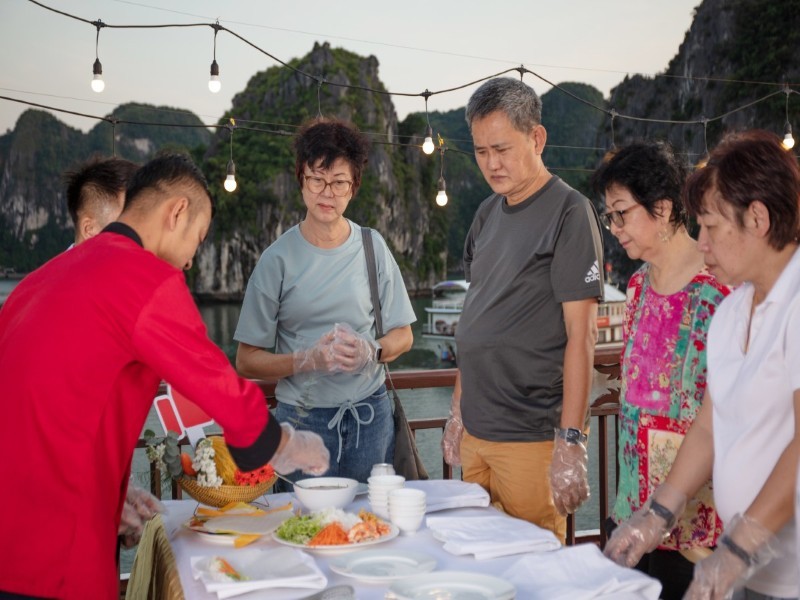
x=186 y=544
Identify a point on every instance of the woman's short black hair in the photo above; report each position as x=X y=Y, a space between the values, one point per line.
x=750 y=166
x=650 y=171
x=321 y=142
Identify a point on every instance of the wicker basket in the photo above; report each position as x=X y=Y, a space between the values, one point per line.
x=224 y=494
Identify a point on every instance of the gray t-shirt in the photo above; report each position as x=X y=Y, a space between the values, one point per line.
x=522 y=262
x=297 y=292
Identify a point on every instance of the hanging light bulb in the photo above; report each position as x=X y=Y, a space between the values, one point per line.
x=428 y=146
x=441 y=196
x=230 y=180
x=788 y=139
x=98 y=85
x=214 y=84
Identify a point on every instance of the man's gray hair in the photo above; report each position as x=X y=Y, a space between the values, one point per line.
x=516 y=99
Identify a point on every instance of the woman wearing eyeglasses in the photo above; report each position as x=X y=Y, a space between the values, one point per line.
x=747 y=203
x=670 y=302
x=308 y=318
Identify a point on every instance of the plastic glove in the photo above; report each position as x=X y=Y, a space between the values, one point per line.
x=319 y=357
x=352 y=351
x=646 y=529
x=303 y=450
x=745 y=546
x=569 y=481
x=140 y=506
x=453 y=433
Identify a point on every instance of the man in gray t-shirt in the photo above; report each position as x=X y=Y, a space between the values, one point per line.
x=527 y=332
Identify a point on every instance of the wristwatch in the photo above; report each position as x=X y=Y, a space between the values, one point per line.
x=572 y=435
x=378 y=352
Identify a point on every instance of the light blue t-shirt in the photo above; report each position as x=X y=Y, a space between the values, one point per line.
x=297 y=292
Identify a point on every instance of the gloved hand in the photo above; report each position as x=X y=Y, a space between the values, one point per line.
x=303 y=450
x=745 y=546
x=453 y=432
x=319 y=357
x=140 y=506
x=352 y=351
x=647 y=528
x=569 y=481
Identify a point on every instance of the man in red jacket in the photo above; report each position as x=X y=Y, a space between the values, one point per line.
x=84 y=343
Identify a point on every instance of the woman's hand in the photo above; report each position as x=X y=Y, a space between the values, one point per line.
x=352 y=351
x=319 y=357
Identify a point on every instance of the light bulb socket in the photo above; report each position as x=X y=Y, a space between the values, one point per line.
x=97 y=68
x=442 y=185
x=214 y=69
x=787 y=129
x=429 y=132
x=231 y=168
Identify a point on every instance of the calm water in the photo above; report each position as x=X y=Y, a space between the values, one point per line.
x=221 y=320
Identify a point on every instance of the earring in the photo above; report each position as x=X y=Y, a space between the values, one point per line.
x=663 y=235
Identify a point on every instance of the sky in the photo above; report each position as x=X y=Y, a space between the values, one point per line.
x=432 y=44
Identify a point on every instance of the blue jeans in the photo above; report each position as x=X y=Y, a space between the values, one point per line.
x=357 y=434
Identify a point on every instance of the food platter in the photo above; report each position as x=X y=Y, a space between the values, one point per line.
x=338 y=548
x=378 y=565
x=227 y=529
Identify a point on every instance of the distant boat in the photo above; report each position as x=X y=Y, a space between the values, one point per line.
x=448 y=301
x=445 y=309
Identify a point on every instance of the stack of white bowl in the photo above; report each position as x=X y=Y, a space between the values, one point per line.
x=407 y=509
x=379 y=487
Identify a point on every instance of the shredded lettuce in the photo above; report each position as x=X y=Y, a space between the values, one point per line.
x=300 y=529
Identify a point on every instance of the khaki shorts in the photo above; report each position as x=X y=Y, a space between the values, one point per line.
x=517 y=477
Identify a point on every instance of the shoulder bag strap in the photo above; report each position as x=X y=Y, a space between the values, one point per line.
x=369 y=252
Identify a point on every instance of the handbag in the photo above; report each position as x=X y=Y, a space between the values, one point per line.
x=407 y=461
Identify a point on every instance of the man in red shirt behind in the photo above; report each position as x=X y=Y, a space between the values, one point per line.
x=84 y=343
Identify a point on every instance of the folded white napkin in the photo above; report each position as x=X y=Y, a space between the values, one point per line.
x=450 y=493
x=491 y=536
x=578 y=573
x=264 y=568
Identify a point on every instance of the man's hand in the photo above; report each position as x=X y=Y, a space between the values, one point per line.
x=303 y=450
x=568 y=475
x=140 y=506
x=451 y=440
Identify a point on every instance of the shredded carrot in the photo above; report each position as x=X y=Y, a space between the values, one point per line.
x=330 y=535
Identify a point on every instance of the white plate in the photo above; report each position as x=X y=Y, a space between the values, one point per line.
x=341 y=547
x=265 y=525
x=453 y=585
x=382 y=565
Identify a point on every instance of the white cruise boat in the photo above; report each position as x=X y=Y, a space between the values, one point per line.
x=448 y=300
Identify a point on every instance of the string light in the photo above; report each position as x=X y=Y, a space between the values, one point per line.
x=428 y=146
x=230 y=180
x=788 y=139
x=214 y=84
x=441 y=196
x=98 y=85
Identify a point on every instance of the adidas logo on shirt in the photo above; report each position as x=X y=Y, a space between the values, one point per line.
x=593 y=274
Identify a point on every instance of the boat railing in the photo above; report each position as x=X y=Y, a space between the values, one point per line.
x=604 y=413
x=445 y=304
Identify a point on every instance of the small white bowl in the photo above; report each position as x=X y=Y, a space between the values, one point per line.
x=319 y=493
x=407 y=524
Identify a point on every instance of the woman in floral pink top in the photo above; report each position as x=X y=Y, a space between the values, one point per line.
x=671 y=300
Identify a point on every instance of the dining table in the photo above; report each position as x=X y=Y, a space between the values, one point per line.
x=163 y=565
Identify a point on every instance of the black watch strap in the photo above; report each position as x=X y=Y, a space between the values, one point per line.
x=572 y=435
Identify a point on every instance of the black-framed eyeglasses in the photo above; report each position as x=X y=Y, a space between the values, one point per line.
x=616 y=216
x=317 y=185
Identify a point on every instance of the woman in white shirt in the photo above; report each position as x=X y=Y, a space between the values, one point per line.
x=747 y=205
